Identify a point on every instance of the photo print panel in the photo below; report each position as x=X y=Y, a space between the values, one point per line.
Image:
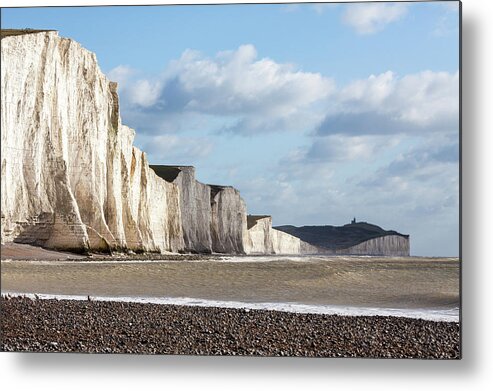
x=234 y=179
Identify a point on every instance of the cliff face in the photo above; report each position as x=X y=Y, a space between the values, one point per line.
x=284 y=243
x=228 y=220
x=356 y=238
x=390 y=245
x=263 y=239
x=71 y=178
x=196 y=211
x=260 y=238
x=213 y=219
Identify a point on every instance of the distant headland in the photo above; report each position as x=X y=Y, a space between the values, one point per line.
x=358 y=238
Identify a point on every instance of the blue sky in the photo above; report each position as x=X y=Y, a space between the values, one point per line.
x=315 y=112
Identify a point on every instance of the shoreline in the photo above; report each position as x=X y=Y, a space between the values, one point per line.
x=12 y=252
x=431 y=315
x=50 y=325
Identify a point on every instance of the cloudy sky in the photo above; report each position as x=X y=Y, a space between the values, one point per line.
x=317 y=113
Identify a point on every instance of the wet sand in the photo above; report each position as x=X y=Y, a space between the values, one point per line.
x=115 y=327
x=18 y=251
x=26 y=252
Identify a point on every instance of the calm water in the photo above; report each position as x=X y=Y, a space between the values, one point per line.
x=410 y=285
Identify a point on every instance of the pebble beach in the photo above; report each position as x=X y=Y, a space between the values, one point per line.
x=50 y=325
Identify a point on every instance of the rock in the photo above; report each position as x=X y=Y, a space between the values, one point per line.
x=283 y=243
x=196 y=211
x=259 y=240
x=389 y=245
x=71 y=178
x=357 y=238
x=263 y=239
x=228 y=221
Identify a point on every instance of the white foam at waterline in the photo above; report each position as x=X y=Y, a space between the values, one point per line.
x=445 y=315
x=218 y=258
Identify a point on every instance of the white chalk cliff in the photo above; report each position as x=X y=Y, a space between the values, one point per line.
x=196 y=210
x=393 y=245
x=71 y=178
x=263 y=239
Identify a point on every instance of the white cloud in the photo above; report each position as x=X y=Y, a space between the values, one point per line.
x=236 y=91
x=452 y=6
x=372 y=91
x=426 y=162
x=172 y=149
x=372 y=17
x=121 y=74
x=448 y=23
x=141 y=92
x=292 y=193
x=256 y=94
x=427 y=97
x=236 y=82
x=422 y=102
x=339 y=148
x=239 y=93
x=145 y=93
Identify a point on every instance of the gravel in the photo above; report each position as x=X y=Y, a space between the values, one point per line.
x=113 y=327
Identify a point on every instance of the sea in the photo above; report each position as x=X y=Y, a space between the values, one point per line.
x=416 y=287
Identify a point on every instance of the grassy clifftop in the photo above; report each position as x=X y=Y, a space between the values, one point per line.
x=11 y=32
